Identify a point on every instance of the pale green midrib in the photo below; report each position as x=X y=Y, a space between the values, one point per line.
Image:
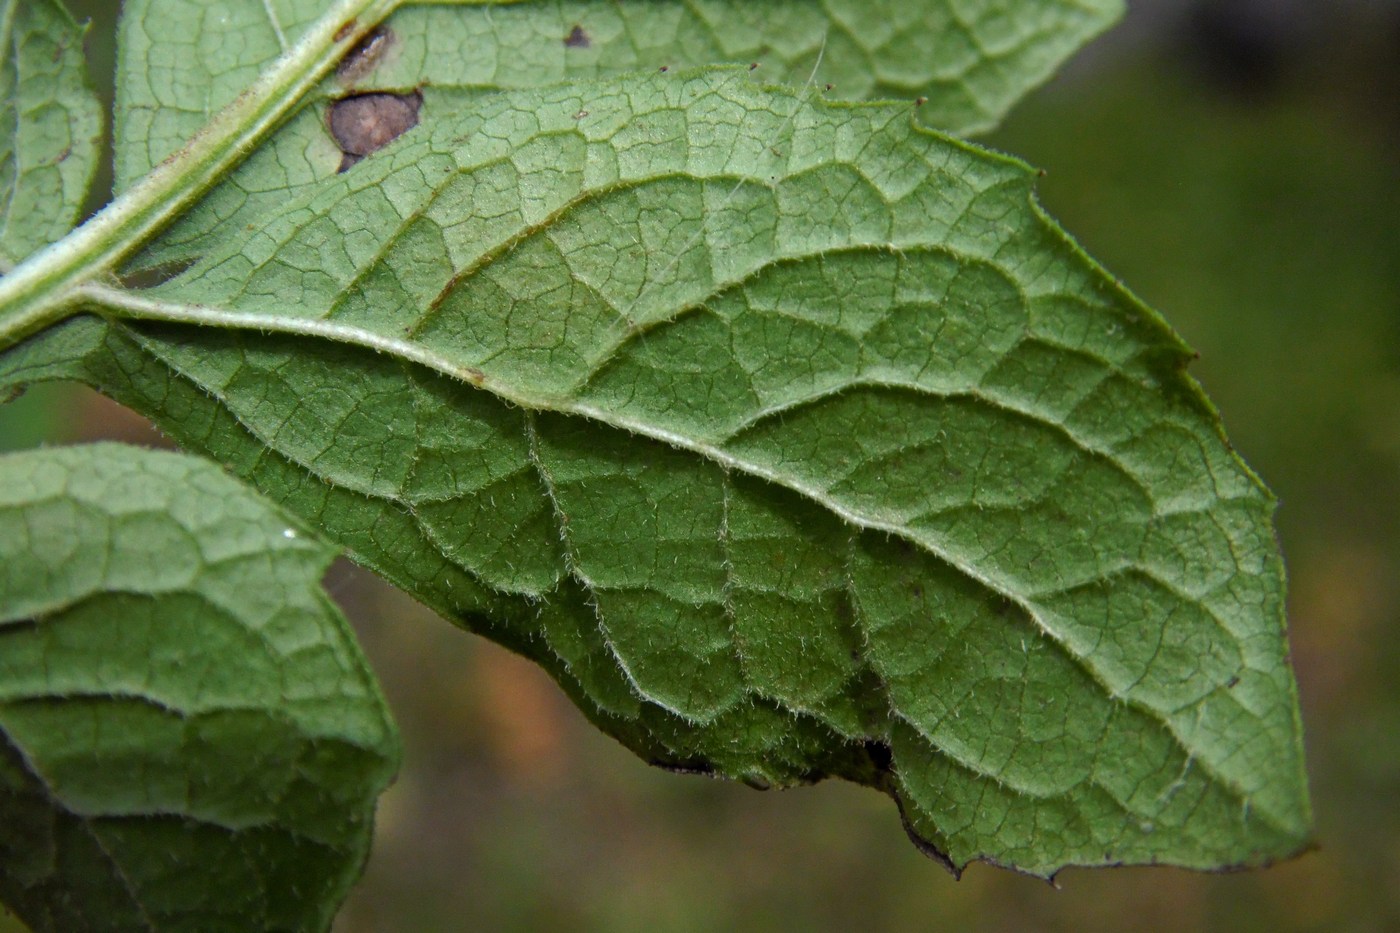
x=41 y=289
x=129 y=305
x=1084 y=446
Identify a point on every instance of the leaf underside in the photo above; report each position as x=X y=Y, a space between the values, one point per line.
x=970 y=59
x=789 y=436
x=189 y=736
x=50 y=125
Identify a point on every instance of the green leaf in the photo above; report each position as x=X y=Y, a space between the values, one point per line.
x=971 y=60
x=50 y=126
x=790 y=436
x=180 y=61
x=189 y=736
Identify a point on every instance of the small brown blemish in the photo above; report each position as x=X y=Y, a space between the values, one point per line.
x=577 y=38
x=581 y=114
x=361 y=59
x=665 y=68
x=366 y=123
x=345 y=29
x=753 y=67
x=830 y=86
x=920 y=101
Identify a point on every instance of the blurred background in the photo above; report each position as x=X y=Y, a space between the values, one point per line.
x=1237 y=164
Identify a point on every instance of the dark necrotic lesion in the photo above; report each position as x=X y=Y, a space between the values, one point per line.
x=363 y=58
x=365 y=123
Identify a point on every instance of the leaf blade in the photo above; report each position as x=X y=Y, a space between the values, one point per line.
x=971 y=62
x=158 y=706
x=50 y=126
x=927 y=418
x=1039 y=462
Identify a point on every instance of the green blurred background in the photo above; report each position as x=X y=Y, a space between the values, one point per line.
x=1238 y=165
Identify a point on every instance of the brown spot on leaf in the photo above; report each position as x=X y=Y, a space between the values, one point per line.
x=345 y=29
x=365 y=54
x=577 y=38
x=366 y=123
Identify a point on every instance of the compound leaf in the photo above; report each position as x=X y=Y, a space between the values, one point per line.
x=189 y=736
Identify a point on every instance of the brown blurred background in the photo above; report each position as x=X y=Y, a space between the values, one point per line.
x=1238 y=165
